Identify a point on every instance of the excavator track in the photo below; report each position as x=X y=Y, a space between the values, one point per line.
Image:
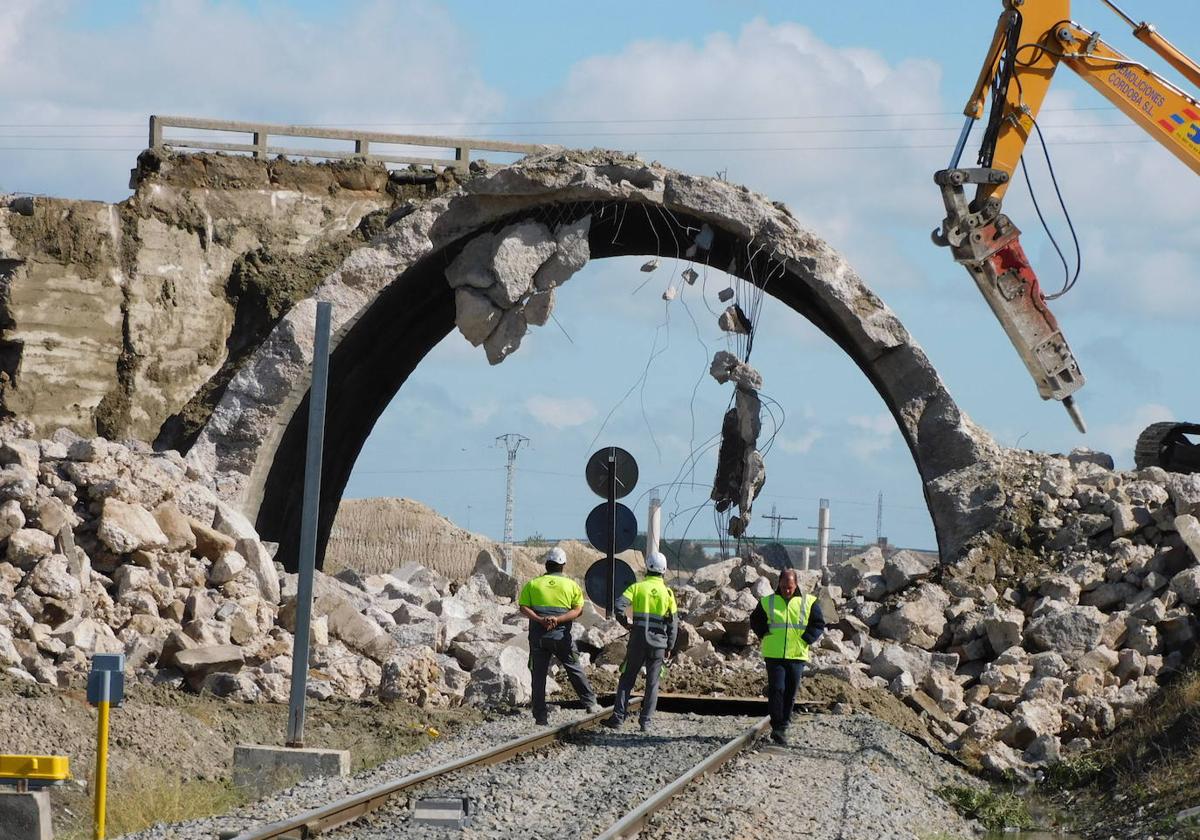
x=1169 y=445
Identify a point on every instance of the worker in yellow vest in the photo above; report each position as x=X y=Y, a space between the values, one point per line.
x=652 y=633
x=788 y=622
x=551 y=602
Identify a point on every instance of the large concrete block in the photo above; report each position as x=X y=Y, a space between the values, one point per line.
x=263 y=769
x=25 y=816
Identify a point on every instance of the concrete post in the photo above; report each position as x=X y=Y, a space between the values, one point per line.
x=823 y=534
x=807 y=555
x=308 y=524
x=260 y=145
x=653 y=523
x=25 y=815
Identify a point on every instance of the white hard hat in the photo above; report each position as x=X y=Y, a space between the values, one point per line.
x=556 y=556
x=656 y=562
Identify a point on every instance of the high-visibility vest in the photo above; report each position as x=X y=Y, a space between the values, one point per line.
x=653 y=604
x=786 y=622
x=551 y=594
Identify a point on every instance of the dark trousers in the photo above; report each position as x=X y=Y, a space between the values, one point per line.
x=539 y=664
x=783 y=678
x=639 y=655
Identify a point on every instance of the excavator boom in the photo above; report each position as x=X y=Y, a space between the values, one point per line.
x=1032 y=39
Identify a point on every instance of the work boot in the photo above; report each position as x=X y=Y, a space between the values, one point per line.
x=645 y=726
x=592 y=708
x=612 y=722
x=779 y=736
x=541 y=721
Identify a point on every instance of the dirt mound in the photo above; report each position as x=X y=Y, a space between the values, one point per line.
x=372 y=536
x=177 y=738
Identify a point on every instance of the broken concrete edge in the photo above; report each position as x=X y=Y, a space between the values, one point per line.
x=263 y=768
x=213 y=215
x=25 y=816
x=240 y=440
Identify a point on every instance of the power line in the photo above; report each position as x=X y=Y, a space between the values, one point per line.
x=599 y=121
x=777 y=522
x=552 y=134
x=894 y=147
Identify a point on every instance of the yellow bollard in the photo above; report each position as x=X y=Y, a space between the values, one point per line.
x=101 y=779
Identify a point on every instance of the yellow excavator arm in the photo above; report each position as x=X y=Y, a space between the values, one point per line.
x=1032 y=39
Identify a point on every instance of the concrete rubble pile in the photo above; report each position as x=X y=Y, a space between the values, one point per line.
x=106 y=547
x=110 y=547
x=1050 y=632
x=1052 y=629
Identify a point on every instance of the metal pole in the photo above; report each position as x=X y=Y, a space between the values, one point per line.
x=510 y=481
x=962 y=143
x=101 y=780
x=308 y=528
x=611 y=603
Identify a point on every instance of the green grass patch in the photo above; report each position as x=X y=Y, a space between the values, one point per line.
x=143 y=797
x=994 y=811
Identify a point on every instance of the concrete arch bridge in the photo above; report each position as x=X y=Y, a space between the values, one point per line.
x=392 y=304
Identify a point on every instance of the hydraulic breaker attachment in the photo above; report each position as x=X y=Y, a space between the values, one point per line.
x=987 y=242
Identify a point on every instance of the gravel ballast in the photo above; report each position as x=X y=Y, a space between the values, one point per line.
x=319 y=792
x=572 y=790
x=841 y=778
x=844 y=777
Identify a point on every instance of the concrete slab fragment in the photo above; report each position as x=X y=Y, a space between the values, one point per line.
x=264 y=769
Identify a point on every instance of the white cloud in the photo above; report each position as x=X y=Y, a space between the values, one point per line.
x=560 y=413
x=481 y=413
x=876 y=433
x=361 y=67
x=1119 y=438
x=854 y=198
x=799 y=445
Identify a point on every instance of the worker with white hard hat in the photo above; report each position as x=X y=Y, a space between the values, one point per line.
x=551 y=602
x=653 y=628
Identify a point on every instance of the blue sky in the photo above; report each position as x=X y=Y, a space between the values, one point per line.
x=768 y=92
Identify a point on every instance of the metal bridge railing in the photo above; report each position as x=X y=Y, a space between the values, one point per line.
x=261 y=134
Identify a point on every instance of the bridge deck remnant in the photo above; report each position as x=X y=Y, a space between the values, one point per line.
x=262 y=133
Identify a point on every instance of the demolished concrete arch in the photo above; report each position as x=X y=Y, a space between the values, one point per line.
x=392 y=305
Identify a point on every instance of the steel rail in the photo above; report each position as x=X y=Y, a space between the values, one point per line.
x=352 y=807
x=634 y=821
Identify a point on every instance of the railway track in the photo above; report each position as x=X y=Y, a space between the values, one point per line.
x=514 y=788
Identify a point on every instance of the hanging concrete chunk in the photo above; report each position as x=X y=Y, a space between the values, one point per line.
x=749 y=412
x=731 y=456
x=690 y=275
x=754 y=475
x=538 y=307
x=475 y=315
x=506 y=338
x=572 y=254
x=669 y=293
x=727 y=367
x=521 y=251
x=650 y=265
x=725 y=295
x=734 y=320
x=472 y=266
